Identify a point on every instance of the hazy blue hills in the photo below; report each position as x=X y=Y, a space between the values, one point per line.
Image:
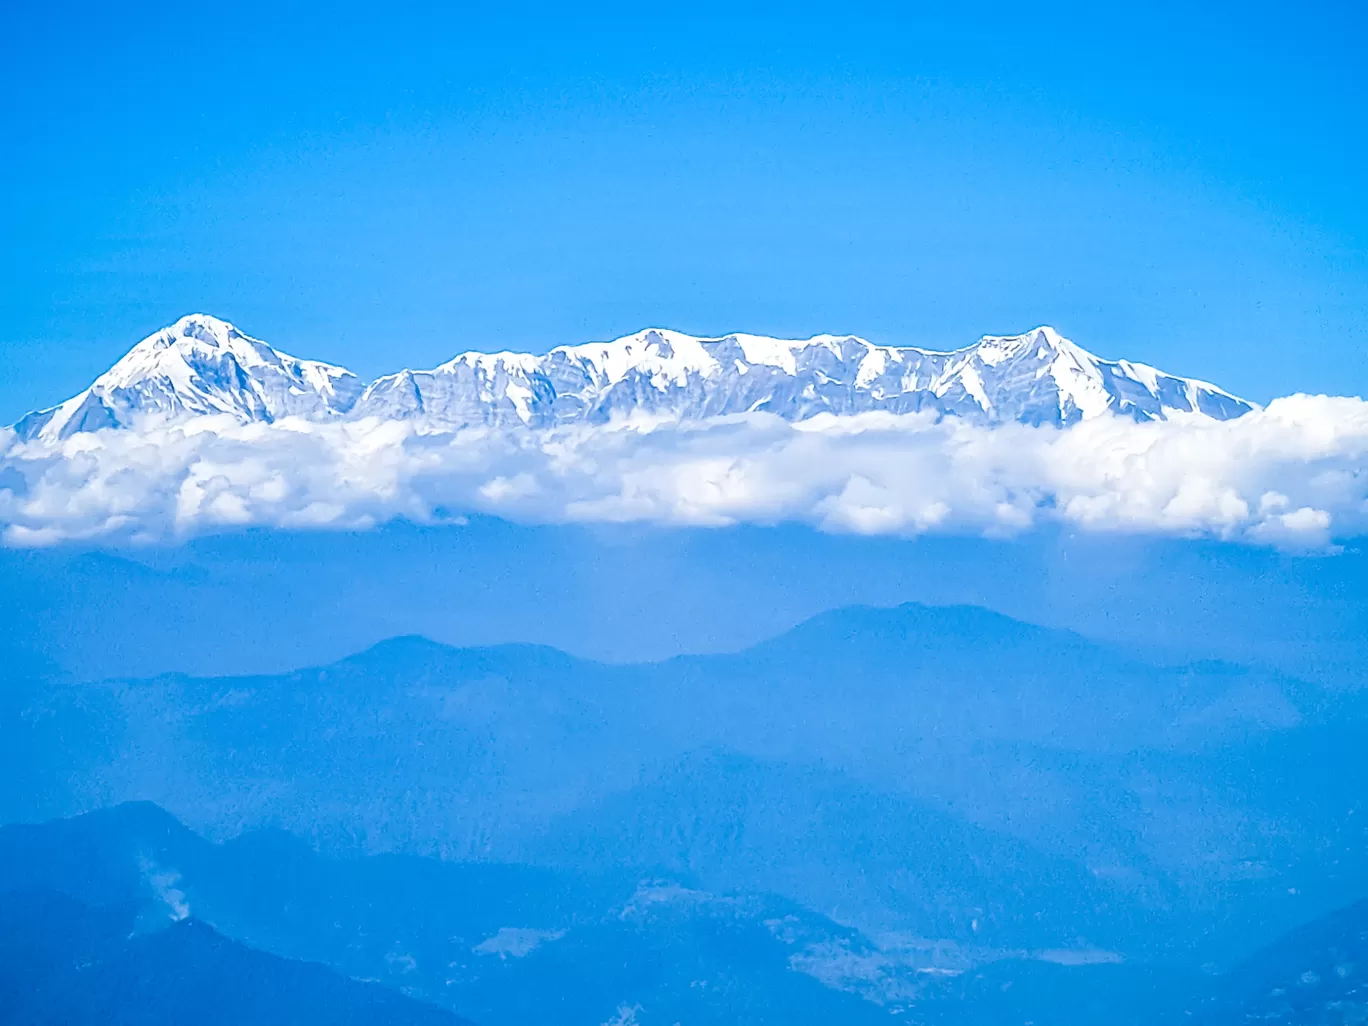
x=272 y=601
x=938 y=772
x=1317 y=975
x=504 y=943
x=939 y=813
x=833 y=843
x=64 y=962
x=125 y=916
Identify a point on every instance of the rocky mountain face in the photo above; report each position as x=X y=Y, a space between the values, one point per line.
x=201 y=365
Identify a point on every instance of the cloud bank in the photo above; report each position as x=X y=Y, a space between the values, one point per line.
x=1294 y=475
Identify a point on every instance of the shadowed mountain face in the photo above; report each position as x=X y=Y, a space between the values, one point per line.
x=125 y=916
x=858 y=853
x=65 y=962
x=1317 y=975
x=500 y=942
x=946 y=774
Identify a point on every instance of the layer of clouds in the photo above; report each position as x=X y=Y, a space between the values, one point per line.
x=1291 y=475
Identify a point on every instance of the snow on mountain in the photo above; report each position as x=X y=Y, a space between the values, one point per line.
x=1035 y=378
x=203 y=365
x=200 y=365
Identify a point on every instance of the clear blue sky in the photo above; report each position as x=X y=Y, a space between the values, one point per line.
x=383 y=185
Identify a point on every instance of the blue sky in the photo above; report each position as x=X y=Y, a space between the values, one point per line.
x=384 y=186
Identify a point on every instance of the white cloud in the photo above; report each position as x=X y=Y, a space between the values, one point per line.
x=1294 y=474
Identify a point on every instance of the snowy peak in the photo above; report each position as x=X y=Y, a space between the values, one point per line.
x=202 y=365
x=1036 y=378
x=1043 y=377
x=1041 y=344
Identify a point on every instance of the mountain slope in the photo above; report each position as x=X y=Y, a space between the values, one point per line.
x=1314 y=975
x=1036 y=378
x=833 y=844
x=508 y=943
x=65 y=962
x=106 y=918
x=201 y=365
x=1088 y=754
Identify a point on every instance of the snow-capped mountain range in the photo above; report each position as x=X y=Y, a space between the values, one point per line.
x=203 y=365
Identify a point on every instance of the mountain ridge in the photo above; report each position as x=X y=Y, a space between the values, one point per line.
x=1025 y=732
x=202 y=365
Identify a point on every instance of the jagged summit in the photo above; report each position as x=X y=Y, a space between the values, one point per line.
x=1037 y=378
x=202 y=365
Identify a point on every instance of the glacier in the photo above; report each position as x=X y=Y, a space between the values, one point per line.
x=202 y=365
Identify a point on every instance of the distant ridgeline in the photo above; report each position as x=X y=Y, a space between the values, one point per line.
x=124 y=917
x=202 y=365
